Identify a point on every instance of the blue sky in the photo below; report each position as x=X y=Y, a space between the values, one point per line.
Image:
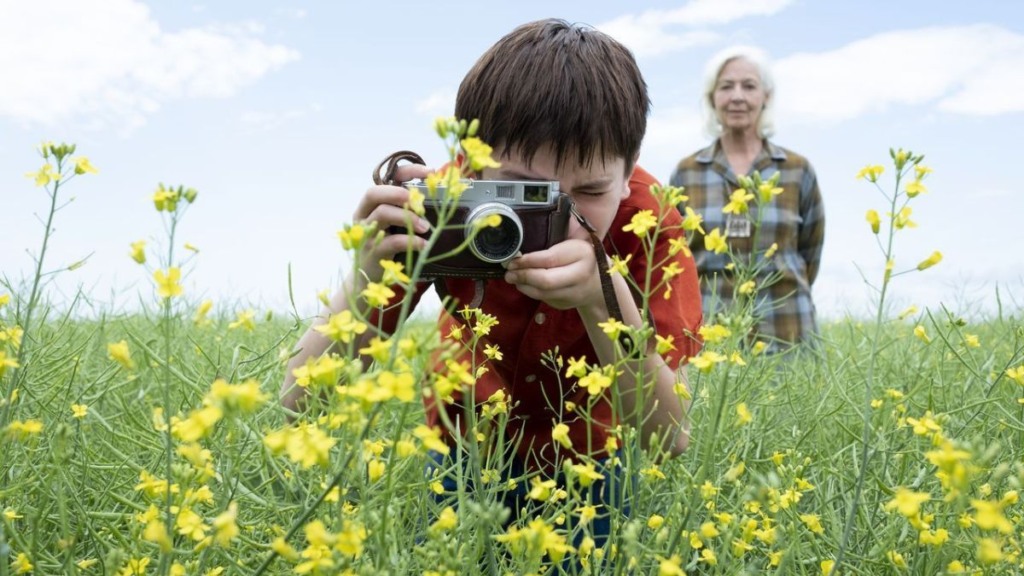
x=277 y=112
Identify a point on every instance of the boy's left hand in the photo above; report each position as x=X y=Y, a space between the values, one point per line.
x=563 y=276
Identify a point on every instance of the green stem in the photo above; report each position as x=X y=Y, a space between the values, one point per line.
x=866 y=451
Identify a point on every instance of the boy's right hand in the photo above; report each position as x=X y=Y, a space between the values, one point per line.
x=384 y=205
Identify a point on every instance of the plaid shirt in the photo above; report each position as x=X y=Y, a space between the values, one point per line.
x=795 y=220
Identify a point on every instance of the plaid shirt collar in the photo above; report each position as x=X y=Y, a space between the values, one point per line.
x=715 y=156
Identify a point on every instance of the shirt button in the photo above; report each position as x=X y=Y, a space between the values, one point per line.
x=539 y=318
x=531 y=378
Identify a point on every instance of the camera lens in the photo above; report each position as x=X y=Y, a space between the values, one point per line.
x=494 y=243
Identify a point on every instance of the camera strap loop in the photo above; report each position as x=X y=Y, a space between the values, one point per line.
x=390 y=164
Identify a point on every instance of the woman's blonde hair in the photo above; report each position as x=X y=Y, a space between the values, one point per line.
x=757 y=57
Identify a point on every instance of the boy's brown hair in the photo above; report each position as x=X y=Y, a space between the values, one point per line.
x=568 y=86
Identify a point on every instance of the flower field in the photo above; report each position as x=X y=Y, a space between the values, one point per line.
x=154 y=443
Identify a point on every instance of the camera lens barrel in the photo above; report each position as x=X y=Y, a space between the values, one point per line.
x=494 y=244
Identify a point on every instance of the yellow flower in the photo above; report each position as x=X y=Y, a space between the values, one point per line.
x=907 y=502
x=246 y=319
x=45 y=175
x=771 y=250
x=202 y=311
x=971 y=341
x=446 y=520
x=393 y=273
x=902 y=219
x=478 y=154
x=82 y=166
x=5 y=363
x=670 y=566
x=375 y=469
x=198 y=424
x=377 y=295
x=1016 y=374
x=989 y=516
x=86 y=563
x=871 y=173
x=826 y=567
x=921 y=334
x=692 y=221
x=79 y=410
x=21 y=564
x=560 y=434
x=738 y=202
x=191 y=247
x=813 y=523
x=595 y=382
x=245 y=397
x=415 y=203
x=933 y=538
x=989 y=551
x=119 y=352
x=715 y=242
x=920 y=171
x=190 y=524
x=896 y=558
x=10 y=514
x=767 y=191
x=930 y=261
x=619 y=265
x=167 y=284
x=342 y=327
x=910 y=311
x=641 y=222
x=612 y=328
x=706 y=360
x=655 y=521
x=166 y=199
x=743 y=415
x=664 y=344
x=915 y=188
x=139 y=251
x=5 y=299
x=874 y=220
x=352 y=237
x=747 y=287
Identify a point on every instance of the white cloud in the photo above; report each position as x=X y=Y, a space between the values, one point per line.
x=108 y=62
x=964 y=70
x=646 y=34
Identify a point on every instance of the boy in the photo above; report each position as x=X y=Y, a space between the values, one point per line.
x=564 y=102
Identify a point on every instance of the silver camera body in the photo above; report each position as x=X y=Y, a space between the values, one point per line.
x=534 y=216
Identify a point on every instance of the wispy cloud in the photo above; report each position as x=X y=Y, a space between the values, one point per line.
x=109 y=63
x=656 y=32
x=963 y=70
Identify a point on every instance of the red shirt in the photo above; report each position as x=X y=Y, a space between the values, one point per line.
x=528 y=329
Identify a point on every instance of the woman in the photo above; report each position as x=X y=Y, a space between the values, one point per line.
x=738 y=99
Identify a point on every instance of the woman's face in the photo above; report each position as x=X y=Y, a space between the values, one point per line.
x=739 y=96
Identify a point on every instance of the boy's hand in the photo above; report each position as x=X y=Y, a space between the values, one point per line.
x=563 y=276
x=383 y=205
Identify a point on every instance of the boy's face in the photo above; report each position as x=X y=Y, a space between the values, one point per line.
x=597 y=189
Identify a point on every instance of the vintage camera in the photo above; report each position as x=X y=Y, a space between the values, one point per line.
x=534 y=216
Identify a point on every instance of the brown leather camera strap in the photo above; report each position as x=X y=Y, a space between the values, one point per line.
x=390 y=164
